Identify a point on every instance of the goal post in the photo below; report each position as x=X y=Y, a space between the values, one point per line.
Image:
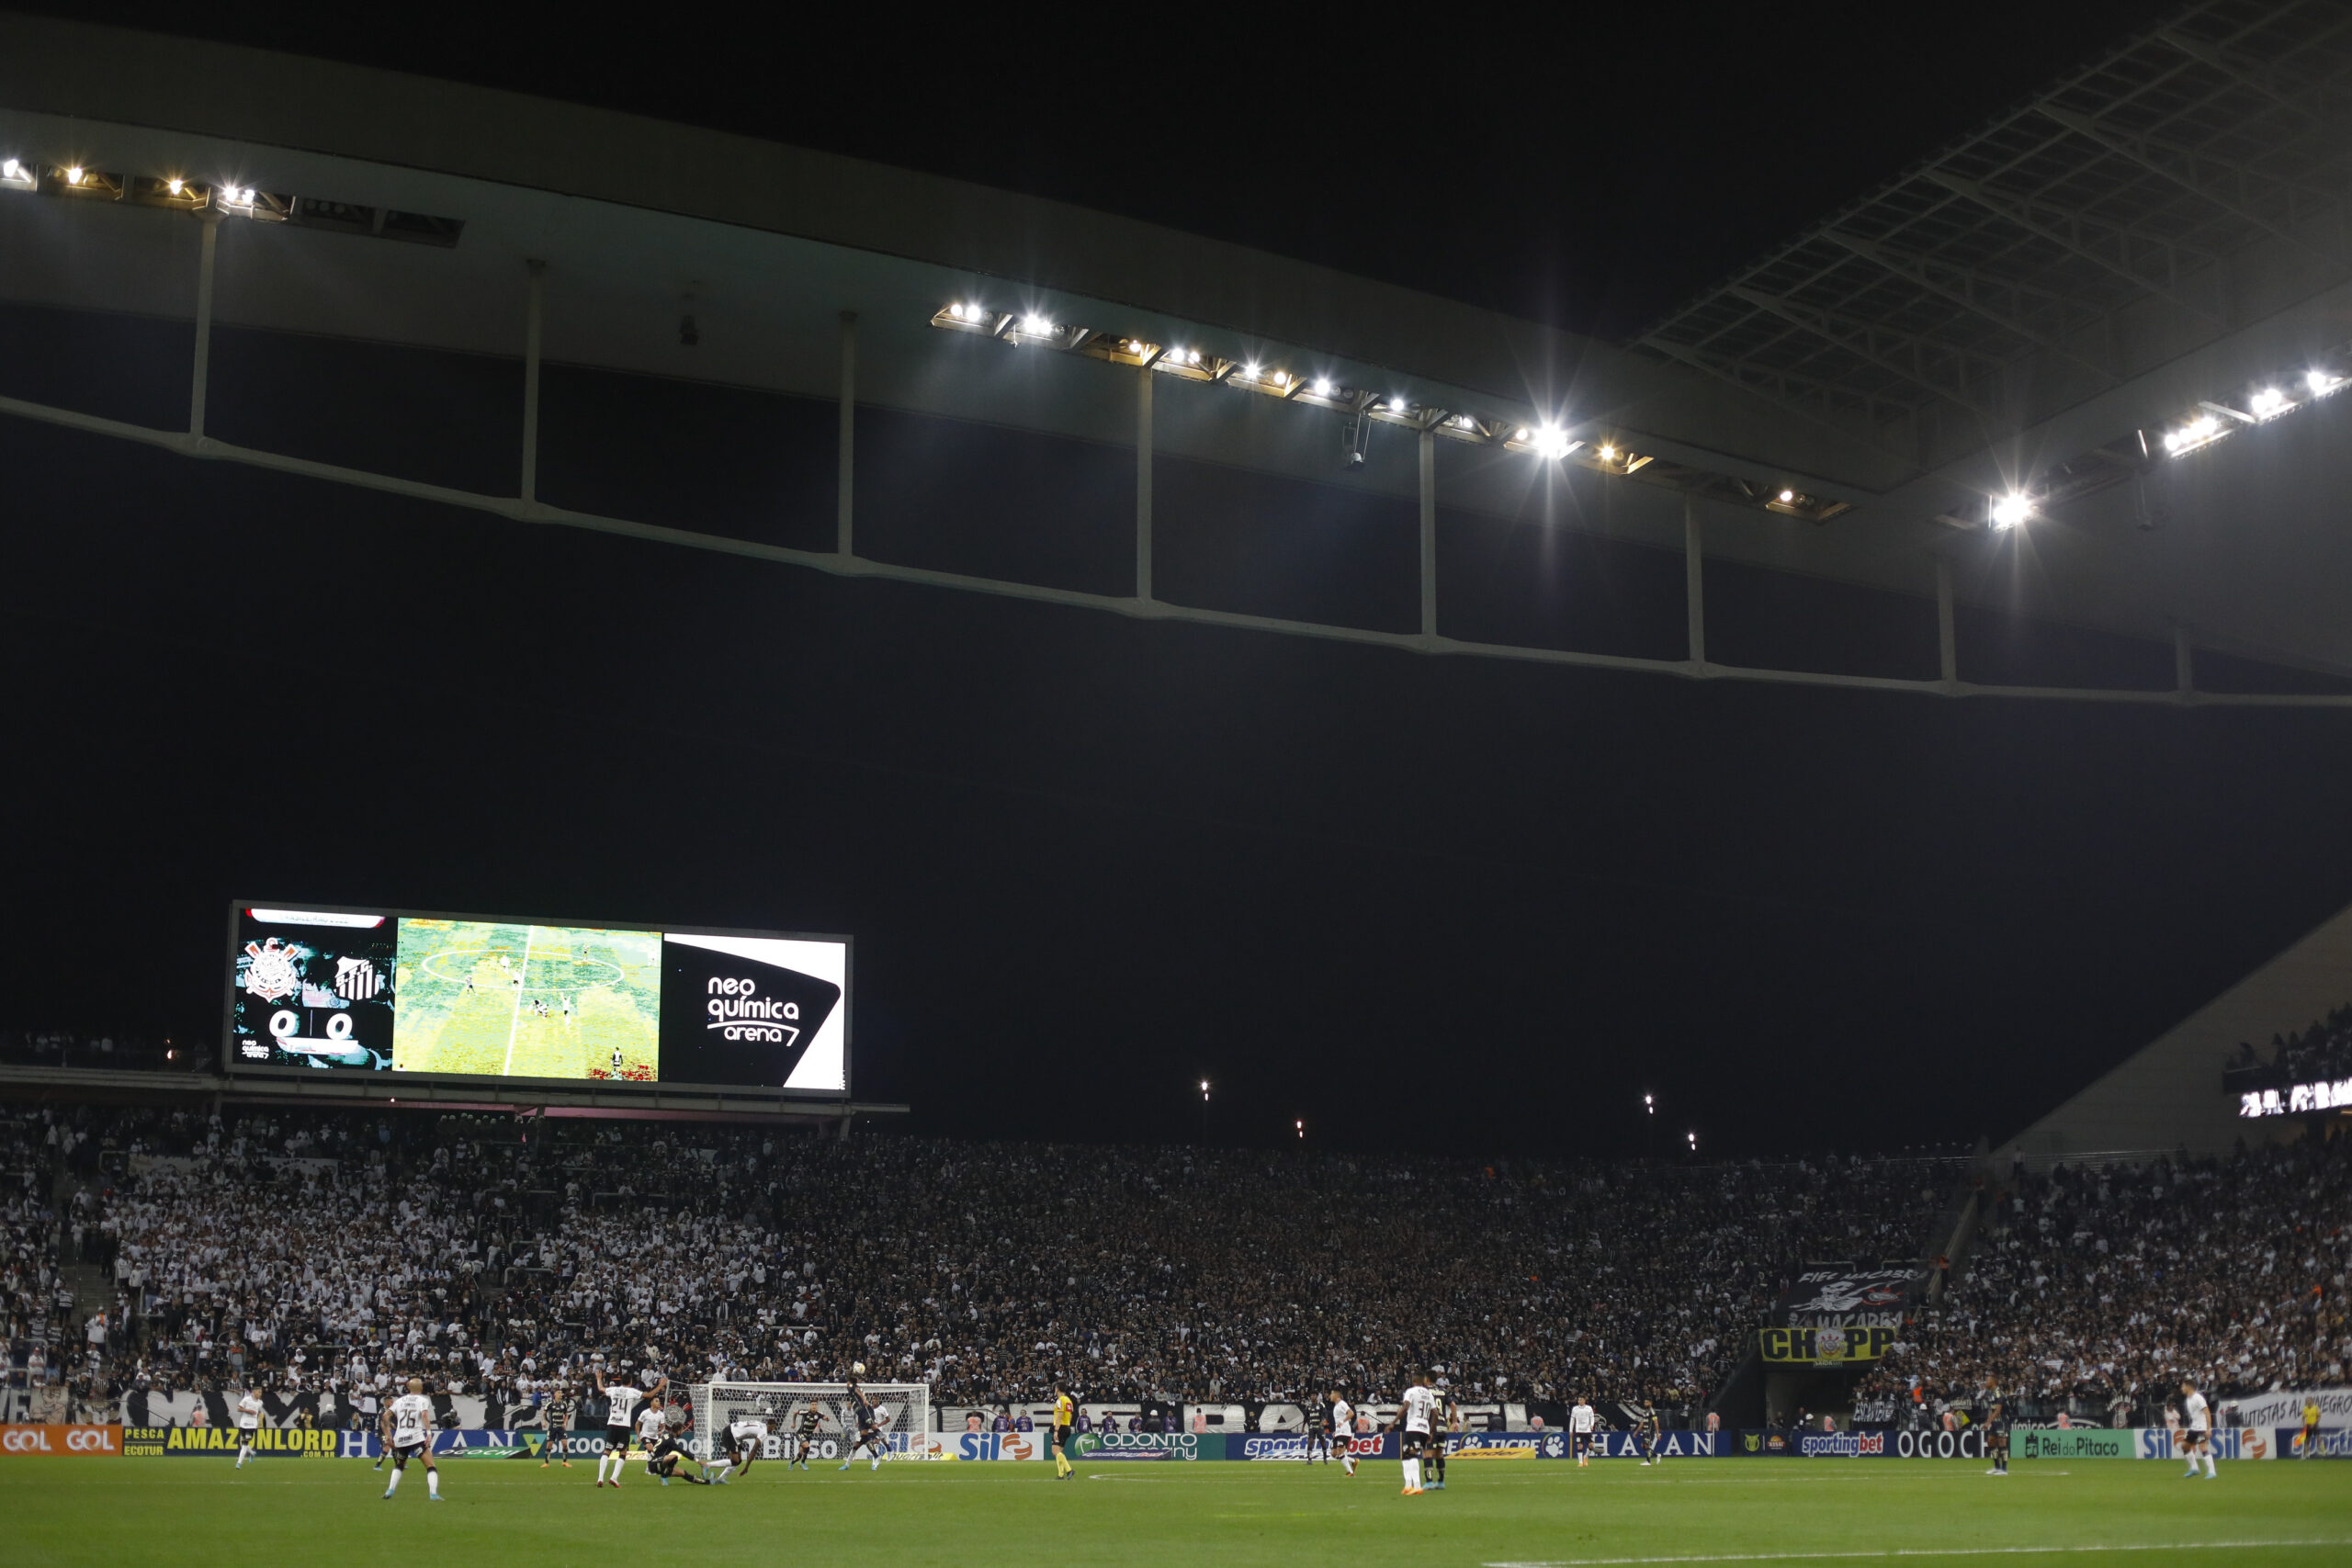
x=902 y=1410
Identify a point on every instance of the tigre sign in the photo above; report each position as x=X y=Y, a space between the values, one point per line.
x=56 y=1440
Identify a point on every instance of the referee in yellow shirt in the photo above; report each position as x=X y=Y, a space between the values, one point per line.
x=1065 y=1412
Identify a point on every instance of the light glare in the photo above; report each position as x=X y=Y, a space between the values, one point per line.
x=73 y=175
x=2010 y=511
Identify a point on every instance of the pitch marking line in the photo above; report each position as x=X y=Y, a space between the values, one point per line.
x=1914 y=1551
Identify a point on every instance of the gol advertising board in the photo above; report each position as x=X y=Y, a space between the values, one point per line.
x=54 y=1441
x=360 y=992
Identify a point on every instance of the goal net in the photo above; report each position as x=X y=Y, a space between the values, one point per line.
x=902 y=1410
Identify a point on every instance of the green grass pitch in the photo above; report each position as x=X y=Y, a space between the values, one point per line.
x=460 y=1008
x=195 y=1513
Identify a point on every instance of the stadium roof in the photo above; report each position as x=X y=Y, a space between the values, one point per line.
x=2157 y=247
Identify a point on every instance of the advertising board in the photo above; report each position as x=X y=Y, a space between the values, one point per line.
x=1826 y=1347
x=362 y=992
x=213 y=1442
x=54 y=1440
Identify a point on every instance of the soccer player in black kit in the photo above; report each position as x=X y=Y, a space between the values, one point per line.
x=805 y=1437
x=1318 y=1431
x=1997 y=1436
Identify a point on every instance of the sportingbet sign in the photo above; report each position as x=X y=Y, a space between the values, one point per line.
x=366 y=991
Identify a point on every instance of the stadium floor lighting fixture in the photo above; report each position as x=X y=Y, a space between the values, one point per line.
x=2010 y=511
x=17 y=175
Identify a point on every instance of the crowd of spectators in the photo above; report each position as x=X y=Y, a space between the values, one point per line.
x=332 y=1251
x=2096 y=1292
x=2322 y=1051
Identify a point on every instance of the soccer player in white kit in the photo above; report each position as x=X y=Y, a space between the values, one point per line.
x=621 y=1403
x=1580 y=1430
x=651 y=1420
x=408 y=1428
x=1416 y=1421
x=2197 y=1439
x=740 y=1443
x=248 y=1427
x=1343 y=1417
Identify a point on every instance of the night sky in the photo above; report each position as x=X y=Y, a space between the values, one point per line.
x=1445 y=903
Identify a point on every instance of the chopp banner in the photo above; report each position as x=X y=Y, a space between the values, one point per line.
x=59 y=1442
x=1826 y=1347
x=269 y=1442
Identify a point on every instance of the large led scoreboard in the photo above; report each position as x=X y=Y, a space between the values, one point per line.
x=364 y=992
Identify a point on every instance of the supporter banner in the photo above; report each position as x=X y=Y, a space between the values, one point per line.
x=2072 y=1442
x=1842 y=1298
x=206 y=1442
x=1826 y=1347
x=1148 y=1445
x=2286 y=1407
x=59 y=1442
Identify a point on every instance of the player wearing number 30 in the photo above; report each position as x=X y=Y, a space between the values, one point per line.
x=408 y=1428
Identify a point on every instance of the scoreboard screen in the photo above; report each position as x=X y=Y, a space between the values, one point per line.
x=361 y=991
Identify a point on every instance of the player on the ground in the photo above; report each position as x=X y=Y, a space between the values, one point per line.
x=1414 y=1424
x=2197 y=1439
x=1581 y=1419
x=744 y=1441
x=621 y=1400
x=1996 y=1434
x=1065 y=1417
x=2310 y=1440
x=804 y=1437
x=1343 y=1420
x=248 y=1427
x=868 y=1423
x=662 y=1459
x=559 y=1429
x=408 y=1432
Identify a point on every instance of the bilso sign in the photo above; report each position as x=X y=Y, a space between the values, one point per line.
x=1826 y=1347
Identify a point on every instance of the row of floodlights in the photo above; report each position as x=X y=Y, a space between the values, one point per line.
x=2213 y=421
x=2210 y=423
x=178 y=193
x=1545 y=440
x=168 y=190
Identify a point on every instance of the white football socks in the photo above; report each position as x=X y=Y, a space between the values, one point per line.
x=1412 y=1473
x=432 y=1484
x=394 y=1484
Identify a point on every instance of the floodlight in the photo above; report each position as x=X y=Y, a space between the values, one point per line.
x=1465 y=422
x=1322 y=386
x=1036 y=324
x=1607 y=453
x=1787 y=496
x=1251 y=371
x=2268 y=403
x=175 y=184
x=73 y=175
x=18 y=175
x=1551 y=442
x=2011 y=510
x=2321 y=383
x=1279 y=379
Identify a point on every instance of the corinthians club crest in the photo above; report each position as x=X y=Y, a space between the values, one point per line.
x=272 y=972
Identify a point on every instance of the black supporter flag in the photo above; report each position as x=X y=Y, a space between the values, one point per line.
x=731 y=1019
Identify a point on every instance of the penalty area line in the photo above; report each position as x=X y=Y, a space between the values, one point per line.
x=1888 y=1552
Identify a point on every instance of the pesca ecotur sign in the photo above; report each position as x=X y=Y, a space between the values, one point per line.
x=59 y=1442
